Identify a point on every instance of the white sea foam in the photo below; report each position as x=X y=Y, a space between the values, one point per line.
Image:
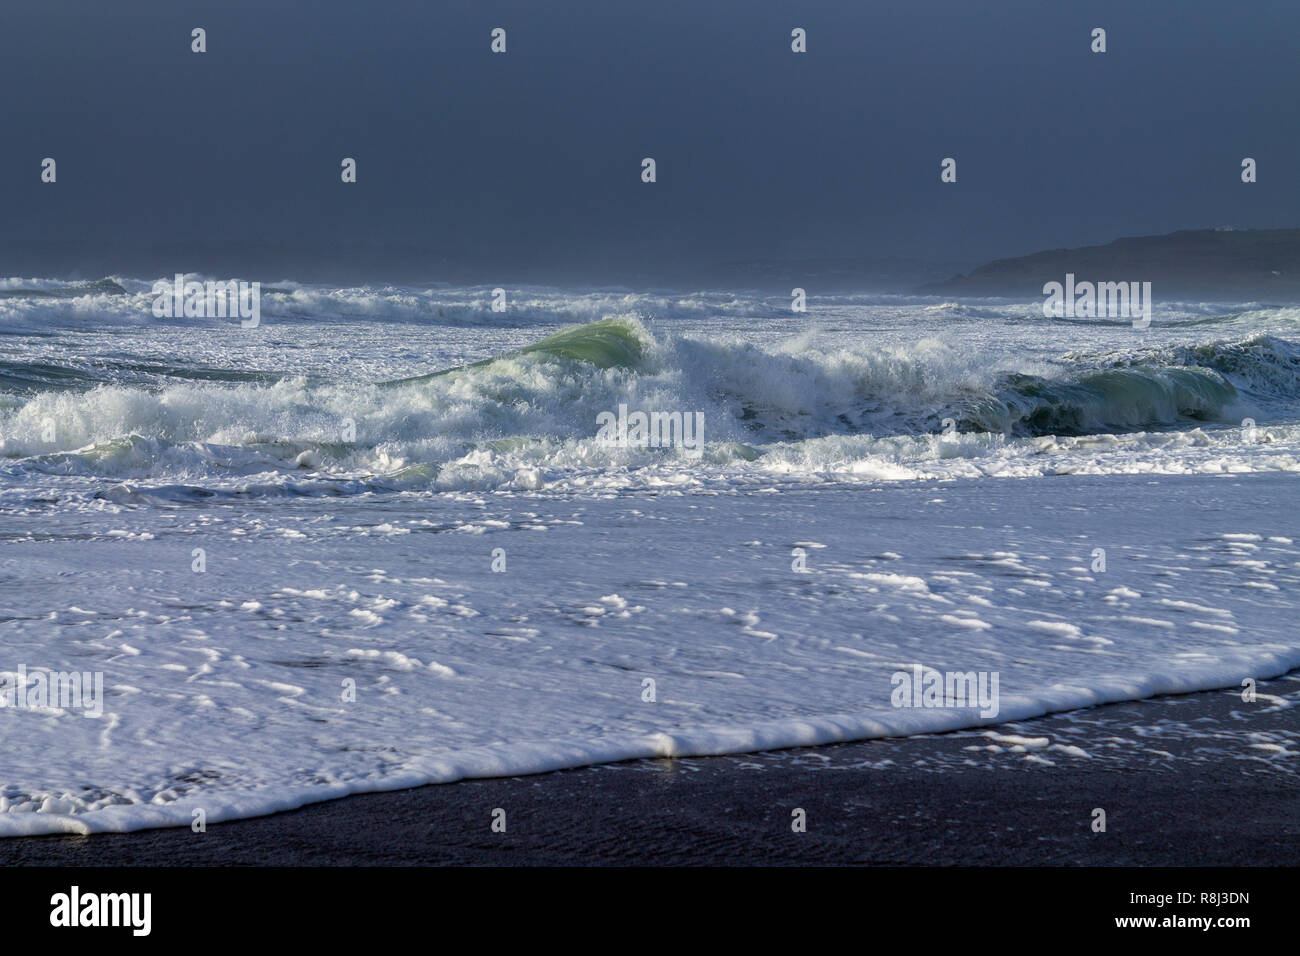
x=348 y=505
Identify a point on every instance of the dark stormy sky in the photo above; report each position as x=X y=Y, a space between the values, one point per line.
x=533 y=157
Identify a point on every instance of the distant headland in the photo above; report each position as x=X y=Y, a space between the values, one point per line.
x=1236 y=264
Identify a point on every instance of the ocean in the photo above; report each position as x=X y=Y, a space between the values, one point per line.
x=381 y=540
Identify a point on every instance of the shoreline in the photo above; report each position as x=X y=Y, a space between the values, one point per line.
x=1194 y=779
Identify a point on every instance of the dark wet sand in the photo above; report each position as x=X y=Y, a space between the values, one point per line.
x=1178 y=777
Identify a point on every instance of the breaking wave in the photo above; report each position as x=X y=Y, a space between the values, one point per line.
x=528 y=418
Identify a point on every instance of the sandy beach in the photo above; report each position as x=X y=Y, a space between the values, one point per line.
x=1180 y=779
